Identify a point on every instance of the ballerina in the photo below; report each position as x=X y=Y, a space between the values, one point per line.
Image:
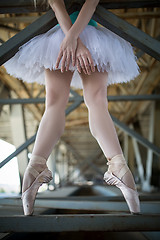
x=76 y=52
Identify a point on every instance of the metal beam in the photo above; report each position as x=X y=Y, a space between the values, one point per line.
x=32 y=139
x=140 y=53
x=21 y=6
x=127 y=31
x=25 y=6
x=9 y=48
x=80 y=222
x=137 y=136
x=84 y=205
x=129 y=4
x=18 y=150
x=147 y=97
x=41 y=25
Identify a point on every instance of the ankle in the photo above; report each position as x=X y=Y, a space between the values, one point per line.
x=38 y=162
x=117 y=165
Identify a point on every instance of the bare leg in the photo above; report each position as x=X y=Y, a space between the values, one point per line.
x=100 y=122
x=53 y=121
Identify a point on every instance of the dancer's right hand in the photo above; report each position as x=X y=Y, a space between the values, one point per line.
x=84 y=61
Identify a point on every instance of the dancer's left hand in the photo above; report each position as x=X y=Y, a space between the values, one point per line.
x=67 y=52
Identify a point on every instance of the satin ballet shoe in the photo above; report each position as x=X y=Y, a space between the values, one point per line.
x=28 y=197
x=130 y=195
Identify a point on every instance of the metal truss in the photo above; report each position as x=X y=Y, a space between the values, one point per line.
x=77 y=100
x=125 y=30
x=31 y=140
x=150 y=97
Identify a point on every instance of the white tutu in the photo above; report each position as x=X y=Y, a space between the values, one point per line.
x=110 y=53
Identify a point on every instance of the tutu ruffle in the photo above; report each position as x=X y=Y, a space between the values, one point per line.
x=110 y=53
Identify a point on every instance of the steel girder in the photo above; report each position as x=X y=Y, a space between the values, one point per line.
x=80 y=222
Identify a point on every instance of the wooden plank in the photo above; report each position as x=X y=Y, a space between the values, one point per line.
x=127 y=31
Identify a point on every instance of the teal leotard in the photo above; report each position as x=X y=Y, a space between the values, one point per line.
x=74 y=16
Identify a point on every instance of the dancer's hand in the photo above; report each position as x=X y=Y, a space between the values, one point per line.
x=84 y=59
x=67 y=52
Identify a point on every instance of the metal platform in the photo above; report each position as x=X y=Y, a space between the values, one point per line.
x=66 y=210
x=80 y=222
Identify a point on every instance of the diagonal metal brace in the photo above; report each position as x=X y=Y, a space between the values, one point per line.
x=127 y=31
x=71 y=108
x=136 y=135
x=41 y=25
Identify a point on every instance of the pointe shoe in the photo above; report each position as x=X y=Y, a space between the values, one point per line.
x=28 y=197
x=130 y=195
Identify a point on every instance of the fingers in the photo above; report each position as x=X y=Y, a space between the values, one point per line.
x=66 y=58
x=73 y=59
x=78 y=65
x=63 y=62
x=60 y=55
x=85 y=62
x=90 y=60
x=81 y=61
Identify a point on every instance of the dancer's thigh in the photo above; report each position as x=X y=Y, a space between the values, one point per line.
x=57 y=86
x=94 y=86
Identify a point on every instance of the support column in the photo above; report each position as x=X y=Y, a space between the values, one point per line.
x=131 y=155
x=147 y=182
x=18 y=136
x=125 y=146
x=51 y=163
x=139 y=161
x=156 y=162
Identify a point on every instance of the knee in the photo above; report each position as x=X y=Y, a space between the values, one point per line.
x=96 y=98
x=56 y=98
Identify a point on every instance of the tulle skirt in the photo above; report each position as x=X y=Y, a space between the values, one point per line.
x=110 y=53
